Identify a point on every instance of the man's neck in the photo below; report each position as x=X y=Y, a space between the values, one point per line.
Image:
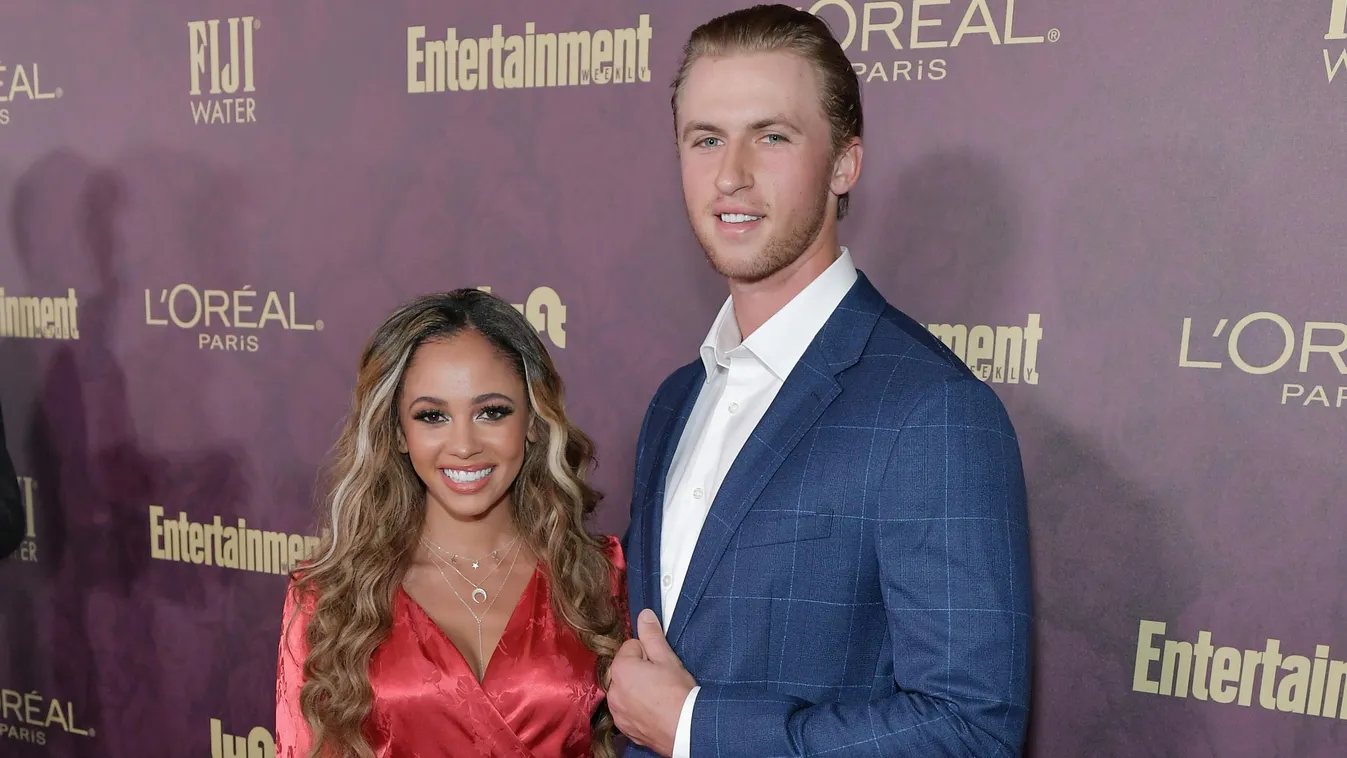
x=756 y=302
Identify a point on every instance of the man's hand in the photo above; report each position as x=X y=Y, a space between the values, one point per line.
x=647 y=685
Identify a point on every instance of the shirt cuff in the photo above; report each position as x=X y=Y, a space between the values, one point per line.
x=683 y=737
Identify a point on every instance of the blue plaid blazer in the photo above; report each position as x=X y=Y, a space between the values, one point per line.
x=861 y=585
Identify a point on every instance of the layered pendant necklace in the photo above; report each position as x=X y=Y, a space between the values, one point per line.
x=476 y=562
x=479 y=594
x=438 y=559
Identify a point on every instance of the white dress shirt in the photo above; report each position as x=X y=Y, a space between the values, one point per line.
x=742 y=378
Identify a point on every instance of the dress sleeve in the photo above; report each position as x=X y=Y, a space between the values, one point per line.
x=613 y=549
x=292 y=730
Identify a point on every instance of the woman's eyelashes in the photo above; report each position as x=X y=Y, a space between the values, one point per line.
x=495 y=412
x=486 y=413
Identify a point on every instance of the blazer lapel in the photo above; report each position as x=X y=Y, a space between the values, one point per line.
x=799 y=403
x=803 y=398
x=681 y=399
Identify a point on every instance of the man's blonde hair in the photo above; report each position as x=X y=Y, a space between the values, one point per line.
x=781 y=28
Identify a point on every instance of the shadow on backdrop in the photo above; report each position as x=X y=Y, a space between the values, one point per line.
x=95 y=635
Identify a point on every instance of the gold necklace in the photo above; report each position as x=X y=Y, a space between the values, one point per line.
x=481 y=663
x=479 y=595
x=476 y=562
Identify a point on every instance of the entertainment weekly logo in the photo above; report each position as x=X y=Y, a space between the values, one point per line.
x=452 y=62
x=27 y=552
x=1004 y=354
x=889 y=41
x=227 y=543
x=1274 y=679
x=51 y=318
x=1268 y=344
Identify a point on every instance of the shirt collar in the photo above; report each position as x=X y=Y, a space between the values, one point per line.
x=781 y=341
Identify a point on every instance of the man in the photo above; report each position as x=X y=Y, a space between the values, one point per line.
x=12 y=524
x=828 y=550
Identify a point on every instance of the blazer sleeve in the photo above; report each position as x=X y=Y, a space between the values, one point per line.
x=638 y=484
x=13 y=524
x=953 y=548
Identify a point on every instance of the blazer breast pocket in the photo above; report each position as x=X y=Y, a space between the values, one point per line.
x=772 y=528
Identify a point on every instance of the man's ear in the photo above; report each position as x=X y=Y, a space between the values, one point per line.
x=847 y=167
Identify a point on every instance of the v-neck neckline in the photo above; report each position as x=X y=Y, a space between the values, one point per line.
x=525 y=598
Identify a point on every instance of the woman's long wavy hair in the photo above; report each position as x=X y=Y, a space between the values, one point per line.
x=377 y=505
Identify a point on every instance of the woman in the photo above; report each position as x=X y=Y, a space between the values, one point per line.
x=457 y=607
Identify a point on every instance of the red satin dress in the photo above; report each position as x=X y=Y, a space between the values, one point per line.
x=535 y=700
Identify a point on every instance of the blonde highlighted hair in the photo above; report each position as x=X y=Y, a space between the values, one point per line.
x=376 y=508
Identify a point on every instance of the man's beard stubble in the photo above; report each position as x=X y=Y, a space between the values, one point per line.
x=777 y=254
